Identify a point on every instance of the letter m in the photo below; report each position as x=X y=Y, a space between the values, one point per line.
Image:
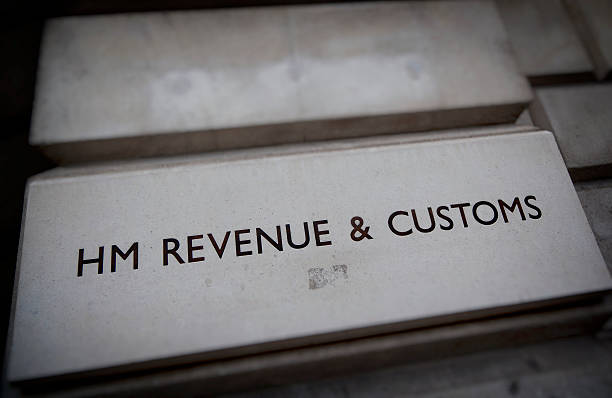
x=117 y=251
x=515 y=203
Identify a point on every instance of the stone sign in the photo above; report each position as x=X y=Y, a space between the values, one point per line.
x=202 y=260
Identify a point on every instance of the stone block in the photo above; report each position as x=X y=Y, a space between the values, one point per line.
x=545 y=41
x=133 y=85
x=593 y=20
x=580 y=117
x=163 y=264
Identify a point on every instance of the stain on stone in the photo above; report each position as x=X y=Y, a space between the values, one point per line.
x=340 y=270
x=513 y=388
x=319 y=277
x=208 y=282
x=316 y=278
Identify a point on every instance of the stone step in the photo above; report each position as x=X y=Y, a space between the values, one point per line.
x=545 y=41
x=580 y=117
x=592 y=18
x=204 y=260
x=133 y=85
x=416 y=361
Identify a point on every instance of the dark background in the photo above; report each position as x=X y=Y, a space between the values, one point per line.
x=21 y=27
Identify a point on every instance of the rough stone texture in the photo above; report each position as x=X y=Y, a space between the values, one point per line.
x=545 y=41
x=580 y=117
x=65 y=323
x=593 y=20
x=596 y=199
x=165 y=83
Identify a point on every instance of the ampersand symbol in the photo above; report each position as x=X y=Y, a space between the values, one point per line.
x=357 y=223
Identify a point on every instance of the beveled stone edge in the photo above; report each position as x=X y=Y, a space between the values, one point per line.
x=190 y=142
x=289 y=149
x=571 y=316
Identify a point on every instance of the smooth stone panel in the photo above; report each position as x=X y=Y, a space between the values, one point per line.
x=545 y=41
x=580 y=117
x=593 y=19
x=596 y=199
x=236 y=303
x=122 y=86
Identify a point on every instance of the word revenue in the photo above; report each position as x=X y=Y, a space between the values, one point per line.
x=250 y=241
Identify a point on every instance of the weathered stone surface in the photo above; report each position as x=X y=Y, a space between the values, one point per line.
x=545 y=41
x=596 y=199
x=245 y=299
x=120 y=86
x=592 y=18
x=580 y=117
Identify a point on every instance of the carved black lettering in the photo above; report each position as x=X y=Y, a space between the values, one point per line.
x=240 y=242
x=538 y=213
x=172 y=251
x=133 y=250
x=191 y=248
x=278 y=243
x=445 y=218
x=461 y=206
x=431 y=221
x=99 y=260
x=477 y=217
x=219 y=250
x=318 y=233
x=392 y=227
x=516 y=204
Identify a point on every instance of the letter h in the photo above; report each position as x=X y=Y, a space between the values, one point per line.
x=98 y=260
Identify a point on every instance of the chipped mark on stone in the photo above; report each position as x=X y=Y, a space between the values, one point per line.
x=320 y=277
x=316 y=278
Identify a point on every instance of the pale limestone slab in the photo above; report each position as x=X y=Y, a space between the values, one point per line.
x=545 y=40
x=580 y=117
x=216 y=308
x=120 y=86
x=593 y=19
x=596 y=199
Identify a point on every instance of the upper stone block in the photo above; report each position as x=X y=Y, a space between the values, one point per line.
x=545 y=41
x=594 y=21
x=580 y=117
x=166 y=83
